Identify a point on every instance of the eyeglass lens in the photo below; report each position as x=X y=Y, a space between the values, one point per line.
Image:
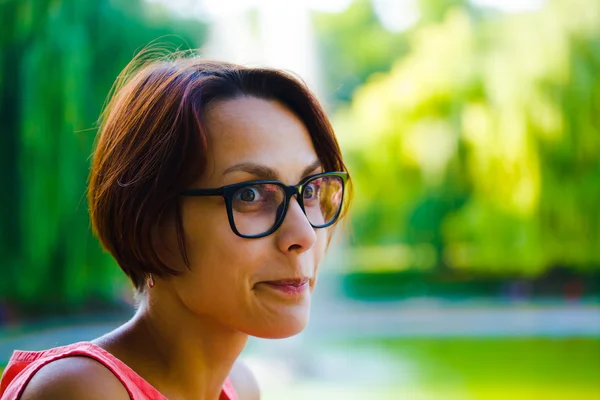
x=257 y=208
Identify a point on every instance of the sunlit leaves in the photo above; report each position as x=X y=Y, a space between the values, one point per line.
x=492 y=125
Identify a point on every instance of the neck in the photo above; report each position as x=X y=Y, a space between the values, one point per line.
x=183 y=356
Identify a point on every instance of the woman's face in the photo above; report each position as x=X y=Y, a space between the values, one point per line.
x=230 y=277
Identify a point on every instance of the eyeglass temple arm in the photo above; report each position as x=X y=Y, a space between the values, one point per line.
x=202 y=192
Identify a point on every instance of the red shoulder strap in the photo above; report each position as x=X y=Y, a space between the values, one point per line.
x=9 y=374
x=23 y=365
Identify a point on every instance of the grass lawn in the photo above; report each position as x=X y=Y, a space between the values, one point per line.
x=461 y=369
x=468 y=369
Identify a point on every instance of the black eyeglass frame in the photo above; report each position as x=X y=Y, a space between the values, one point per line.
x=227 y=192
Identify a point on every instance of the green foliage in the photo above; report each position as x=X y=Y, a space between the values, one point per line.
x=354 y=46
x=348 y=58
x=484 y=140
x=59 y=60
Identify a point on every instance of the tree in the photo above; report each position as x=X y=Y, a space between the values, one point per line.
x=59 y=60
x=485 y=141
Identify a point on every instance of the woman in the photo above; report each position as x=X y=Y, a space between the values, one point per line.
x=216 y=188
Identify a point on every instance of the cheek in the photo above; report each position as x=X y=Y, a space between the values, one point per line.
x=215 y=254
x=222 y=266
x=320 y=247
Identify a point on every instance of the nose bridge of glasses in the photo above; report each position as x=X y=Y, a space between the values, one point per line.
x=293 y=190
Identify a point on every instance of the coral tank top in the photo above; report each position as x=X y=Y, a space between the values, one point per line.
x=24 y=364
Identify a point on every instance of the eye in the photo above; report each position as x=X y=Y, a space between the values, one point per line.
x=310 y=191
x=248 y=195
x=258 y=198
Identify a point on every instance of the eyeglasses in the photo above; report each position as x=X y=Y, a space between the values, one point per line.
x=257 y=208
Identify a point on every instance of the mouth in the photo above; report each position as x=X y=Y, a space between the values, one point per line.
x=290 y=282
x=292 y=286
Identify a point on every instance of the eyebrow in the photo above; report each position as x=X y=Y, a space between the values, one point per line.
x=268 y=173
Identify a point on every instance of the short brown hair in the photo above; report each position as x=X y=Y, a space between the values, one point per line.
x=152 y=144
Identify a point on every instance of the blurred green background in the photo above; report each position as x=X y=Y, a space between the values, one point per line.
x=471 y=130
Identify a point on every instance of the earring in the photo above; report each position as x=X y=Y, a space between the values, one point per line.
x=150 y=281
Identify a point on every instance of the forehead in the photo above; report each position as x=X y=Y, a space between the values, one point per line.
x=253 y=130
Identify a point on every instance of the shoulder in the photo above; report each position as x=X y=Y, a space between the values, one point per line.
x=244 y=382
x=77 y=378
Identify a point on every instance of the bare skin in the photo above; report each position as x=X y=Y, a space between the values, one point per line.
x=190 y=329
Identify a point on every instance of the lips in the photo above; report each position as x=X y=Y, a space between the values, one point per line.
x=289 y=287
x=296 y=282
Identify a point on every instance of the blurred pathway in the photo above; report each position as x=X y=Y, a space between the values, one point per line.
x=437 y=319
x=349 y=319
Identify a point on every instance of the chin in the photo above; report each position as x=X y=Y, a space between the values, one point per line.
x=284 y=327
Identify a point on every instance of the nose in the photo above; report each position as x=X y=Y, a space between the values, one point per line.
x=295 y=234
